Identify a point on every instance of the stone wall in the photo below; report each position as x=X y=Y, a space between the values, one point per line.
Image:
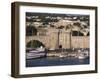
x=52 y=40
x=80 y=42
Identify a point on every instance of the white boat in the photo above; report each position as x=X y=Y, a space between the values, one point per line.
x=35 y=54
x=61 y=56
x=83 y=54
x=81 y=57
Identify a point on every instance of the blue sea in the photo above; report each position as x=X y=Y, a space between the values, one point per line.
x=55 y=61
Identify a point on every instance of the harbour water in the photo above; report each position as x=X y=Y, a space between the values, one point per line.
x=55 y=61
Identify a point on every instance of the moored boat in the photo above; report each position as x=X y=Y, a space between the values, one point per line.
x=81 y=56
x=35 y=54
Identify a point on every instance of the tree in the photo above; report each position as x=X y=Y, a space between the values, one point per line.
x=77 y=24
x=31 y=30
x=77 y=33
x=60 y=27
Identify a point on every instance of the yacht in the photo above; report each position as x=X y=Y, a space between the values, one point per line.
x=35 y=53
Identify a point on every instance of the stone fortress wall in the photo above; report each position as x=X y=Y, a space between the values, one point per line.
x=55 y=37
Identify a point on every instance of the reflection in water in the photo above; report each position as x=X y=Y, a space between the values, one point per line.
x=55 y=61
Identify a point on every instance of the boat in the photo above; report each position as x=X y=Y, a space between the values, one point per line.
x=81 y=56
x=86 y=53
x=35 y=54
x=61 y=56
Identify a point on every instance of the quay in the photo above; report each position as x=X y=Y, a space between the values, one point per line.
x=68 y=53
x=75 y=53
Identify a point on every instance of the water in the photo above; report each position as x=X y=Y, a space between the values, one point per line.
x=55 y=61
